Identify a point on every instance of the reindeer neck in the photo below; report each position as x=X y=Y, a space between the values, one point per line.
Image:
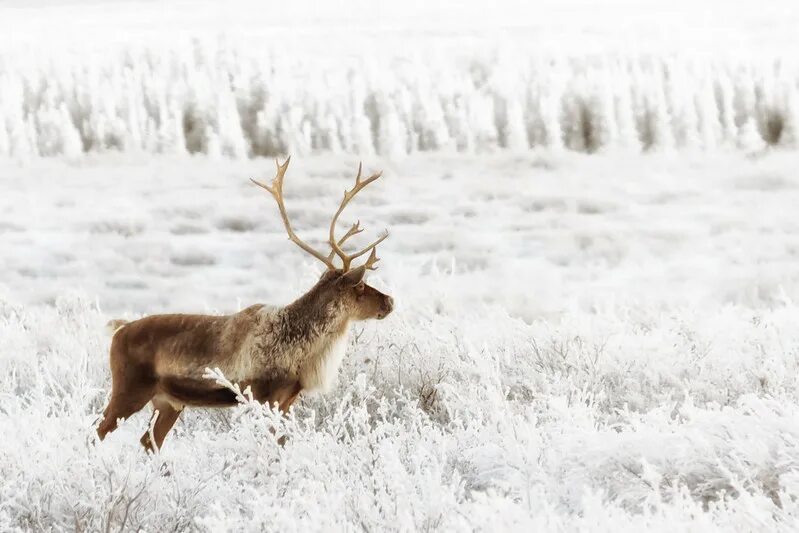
x=308 y=321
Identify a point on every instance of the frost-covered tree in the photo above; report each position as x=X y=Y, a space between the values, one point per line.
x=392 y=137
x=749 y=138
x=515 y=128
x=458 y=124
x=360 y=127
x=767 y=107
x=331 y=133
x=231 y=134
x=22 y=140
x=268 y=139
x=625 y=112
x=165 y=100
x=744 y=96
x=577 y=120
x=725 y=97
x=171 y=133
x=602 y=117
x=5 y=143
x=432 y=125
x=789 y=137
x=296 y=134
x=659 y=117
x=551 y=107
x=680 y=100
x=212 y=146
x=482 y=122
x=707 y=113
x=71 y=144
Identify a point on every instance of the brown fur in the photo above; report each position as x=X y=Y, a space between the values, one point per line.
x=277 y=352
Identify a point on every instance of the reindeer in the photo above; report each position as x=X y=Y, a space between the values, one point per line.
x=277 y=352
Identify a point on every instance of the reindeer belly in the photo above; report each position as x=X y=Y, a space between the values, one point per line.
x=182 y=391
x=184 y=382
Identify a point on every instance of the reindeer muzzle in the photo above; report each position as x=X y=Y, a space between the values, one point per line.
x=386 y=308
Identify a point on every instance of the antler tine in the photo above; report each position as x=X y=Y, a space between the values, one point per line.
x=358 y=175
x=349 y=195
x=354 y=230
x=276 y=190
x=370 y=262
x=372 y=247
x=277 y=181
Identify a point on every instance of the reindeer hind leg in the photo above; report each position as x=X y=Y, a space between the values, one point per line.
x=132 y=387
x=122 y=405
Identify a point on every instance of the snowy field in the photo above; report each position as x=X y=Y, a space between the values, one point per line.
x=593 y=341
x=593 y=257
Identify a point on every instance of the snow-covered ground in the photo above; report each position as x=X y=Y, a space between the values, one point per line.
x=593 y=253
x=538 y=234
x=597 y=341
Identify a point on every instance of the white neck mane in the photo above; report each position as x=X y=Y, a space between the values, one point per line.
x=321 y=371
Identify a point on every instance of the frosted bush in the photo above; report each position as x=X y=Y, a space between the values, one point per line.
x=611 y=421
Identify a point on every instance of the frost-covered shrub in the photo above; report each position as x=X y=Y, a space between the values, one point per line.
x=618 y=420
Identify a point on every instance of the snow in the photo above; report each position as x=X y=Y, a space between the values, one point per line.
x=604 y=341
x=173 y=233
x=592 y=253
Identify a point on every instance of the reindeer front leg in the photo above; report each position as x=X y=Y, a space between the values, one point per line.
x=283 y=393
x=164 y=417
x=286 y=397
x=285 y=403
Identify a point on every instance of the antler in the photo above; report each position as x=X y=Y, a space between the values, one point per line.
x=372 y=259
x=346 y=259
x=354 y=230
x=276 y=190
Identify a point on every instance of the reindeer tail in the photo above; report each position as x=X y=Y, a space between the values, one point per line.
x=115 y=325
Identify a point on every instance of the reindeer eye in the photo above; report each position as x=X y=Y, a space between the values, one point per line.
x=359 y=288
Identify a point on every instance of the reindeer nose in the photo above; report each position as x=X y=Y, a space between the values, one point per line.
x=388 y=306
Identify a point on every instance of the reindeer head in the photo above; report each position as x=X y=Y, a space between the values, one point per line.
x=340 y=288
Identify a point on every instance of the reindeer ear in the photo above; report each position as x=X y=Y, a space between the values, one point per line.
x=353 y=277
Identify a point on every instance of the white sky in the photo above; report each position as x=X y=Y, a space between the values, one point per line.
x=570 y=24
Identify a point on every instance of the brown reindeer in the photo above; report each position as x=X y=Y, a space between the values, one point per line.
x=277 y=352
